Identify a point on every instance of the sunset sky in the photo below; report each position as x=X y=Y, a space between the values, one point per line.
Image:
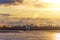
x=31 y=8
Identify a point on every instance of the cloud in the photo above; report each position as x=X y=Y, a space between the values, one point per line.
x=10 y=1
x=29 y=3
x=5 y=14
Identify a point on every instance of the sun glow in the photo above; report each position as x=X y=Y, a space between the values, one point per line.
x=57 y=36
x=52 y=1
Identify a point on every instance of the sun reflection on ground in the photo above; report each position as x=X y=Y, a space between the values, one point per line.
x=57 y=36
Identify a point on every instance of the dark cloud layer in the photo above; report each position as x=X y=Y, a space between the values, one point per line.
x=10 y=1
x=5 y=15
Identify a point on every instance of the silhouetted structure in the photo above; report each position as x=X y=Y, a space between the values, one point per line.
x=29 y=27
